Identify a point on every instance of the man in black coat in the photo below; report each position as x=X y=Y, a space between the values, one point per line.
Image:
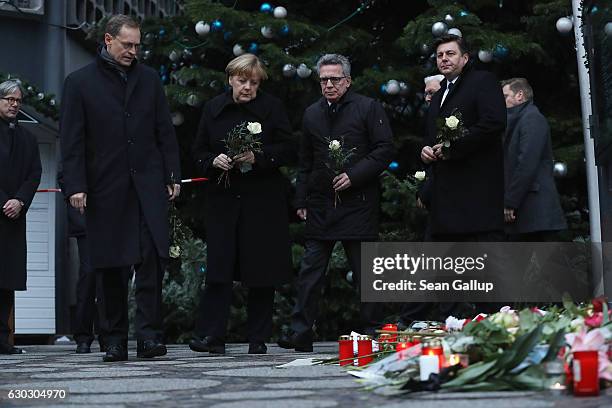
x=531 y=205
x=337 y=206
x=20 y=172
x=121 y=165
x=467 y=192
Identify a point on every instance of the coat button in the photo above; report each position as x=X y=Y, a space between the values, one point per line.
x=133 y=171
x=127 y=114
x=238 y=196
x=130 y=141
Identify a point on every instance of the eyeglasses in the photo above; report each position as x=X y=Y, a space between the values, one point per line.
x=13 y=101
x=128 y=45
x=334 y=80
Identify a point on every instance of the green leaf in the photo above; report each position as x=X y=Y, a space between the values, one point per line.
x=473 y=373
x=520 y=349
x=604 y=309
x=556 y=342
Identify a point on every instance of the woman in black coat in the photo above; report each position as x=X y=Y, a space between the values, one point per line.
x=20 y=172
x=247 y=222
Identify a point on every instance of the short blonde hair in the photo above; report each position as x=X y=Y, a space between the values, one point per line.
x=246 y=65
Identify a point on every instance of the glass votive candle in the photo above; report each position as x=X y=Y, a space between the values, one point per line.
x=345 y=350
x=461 y=359
x=585 y=371
x=364 y=350
x=390 y=327
x=434 y=348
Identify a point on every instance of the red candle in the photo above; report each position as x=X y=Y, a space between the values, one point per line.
x=434 y=348
x=345 y=350
x=391 y=328
x=364 y=350
x=586 y=373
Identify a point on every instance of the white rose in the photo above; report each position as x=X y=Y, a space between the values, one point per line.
x=175 y=251
x=419 y=175
x=334 y=145
x=452 y=122
x=254 y=127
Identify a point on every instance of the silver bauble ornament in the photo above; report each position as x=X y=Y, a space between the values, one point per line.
x=560 y=169
x=485 y=56
x=425 y=49
x=393 y=87
x=40 y=96
x=448 y=18
x=303 y=71
x=280 y=12
x=608 y=29
x=174 y=55
x=439 y=28
x=52 y=102
x=267 y=32
x=202 y=28
x=146 y=55
x=237 y=50
x=404 y=88
x=289 y=70
x=349 y=276
x=177 y=119
x=455 y=31
x=564 y=25
x=30 y=88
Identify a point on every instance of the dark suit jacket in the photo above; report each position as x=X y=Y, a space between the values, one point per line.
x=530 y=187
x=468 y=188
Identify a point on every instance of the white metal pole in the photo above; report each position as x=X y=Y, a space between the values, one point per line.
x=589 y=151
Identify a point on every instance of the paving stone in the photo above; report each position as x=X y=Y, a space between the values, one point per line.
x=270 y=372
x=7 y=362
x=285 y=403
x=478 y=403
x=101 y=373
x=114 y=386
x=27 y=370
x=155 y=362
x=245 y=395
x=228 y=364
x=315 y=384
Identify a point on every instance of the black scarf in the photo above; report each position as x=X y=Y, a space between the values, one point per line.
x=114 y=64
x=7 y=134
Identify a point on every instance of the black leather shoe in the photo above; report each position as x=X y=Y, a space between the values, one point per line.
x=150 y=349
x=115 y=352
x=208 y=343
x=8 y=349
x=102 y=344
x=298 y=342
x=83 y=348
x=257 y=348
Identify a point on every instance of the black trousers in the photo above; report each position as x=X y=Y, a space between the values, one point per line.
x=214 y=309
x=311 y=279
x=89 y=310
x=7 y=300
x=148 y=293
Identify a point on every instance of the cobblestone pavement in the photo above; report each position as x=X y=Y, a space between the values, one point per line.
x=187 y=379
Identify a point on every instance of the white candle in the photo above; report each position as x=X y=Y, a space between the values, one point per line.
x=428 y=365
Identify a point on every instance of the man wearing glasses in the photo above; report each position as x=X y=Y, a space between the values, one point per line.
x=20 y=172
x=121 y=167
x=338 y=204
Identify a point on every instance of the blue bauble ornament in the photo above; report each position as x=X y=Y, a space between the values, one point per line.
x=162 y=69
x=383 y=89
x=162 y=32
x=463 y=13
x=266 y=8
x=501 y=51
x=393 y=165
x=217 y=25
x=253 y=48
x=164 y=78
x=284 y=30
x=227 y=36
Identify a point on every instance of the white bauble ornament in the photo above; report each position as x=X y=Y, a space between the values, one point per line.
x=267 y=32
x=560 y=169
x=237 y=50
x=393 y=87
x=448 y=18
x=439 y=28
x=485 y=56
x=289 y=70
x=177 y=119
x=303 y=71
x=608 y=29
x=455 y=31
x=202 y=28
x=564 y=25
x=280 y=12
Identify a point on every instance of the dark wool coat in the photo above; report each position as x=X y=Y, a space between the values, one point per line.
x=247 y=226
x=467 y=190
x=362 y=124
x=119 y=147
x=530 y=186
x=20 y=172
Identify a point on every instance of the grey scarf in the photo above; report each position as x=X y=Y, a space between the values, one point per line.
x=114 y=64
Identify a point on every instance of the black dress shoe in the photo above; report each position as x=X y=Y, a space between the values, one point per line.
x=150 y=349
x=211 y=344
x=83 y=348
x=298 y=342
x=102 y=344
x=8 y=349
x=115 y=352
x=257 y=348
